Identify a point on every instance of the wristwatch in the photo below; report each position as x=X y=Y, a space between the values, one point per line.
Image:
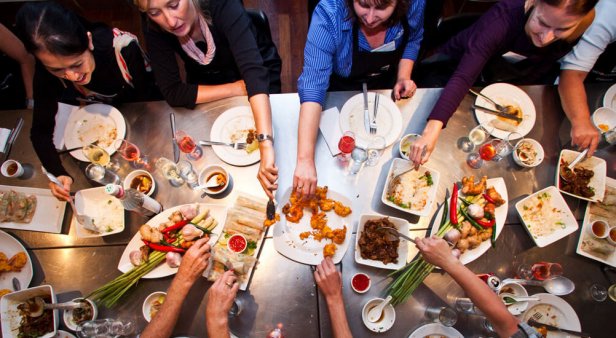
x=265 y=137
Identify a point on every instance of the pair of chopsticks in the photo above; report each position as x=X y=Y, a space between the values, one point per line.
x=12 y=137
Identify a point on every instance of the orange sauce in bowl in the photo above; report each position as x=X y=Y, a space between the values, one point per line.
x=221 y=179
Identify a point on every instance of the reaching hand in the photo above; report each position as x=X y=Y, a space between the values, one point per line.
x=422 y=148
x=305 y=178
x=328 y=279
x=63 y=194
x=221 y=295
x=195 y=261
x=268 y=172
x=585 y=135
x=436 y=251
x=403 y=89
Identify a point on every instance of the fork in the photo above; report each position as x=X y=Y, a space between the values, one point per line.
x=234 y=145
x=373 y=120
x=533 y=321
x=499 y=107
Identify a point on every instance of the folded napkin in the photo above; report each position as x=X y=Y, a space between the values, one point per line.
x=64 y=111
x=330 y=128
x=4 y=136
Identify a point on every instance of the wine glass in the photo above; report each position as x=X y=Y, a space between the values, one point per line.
x=375 y=150
x=545 y=270
x=98 y=155
x=504 y=148
x=131 y=153
x=476 y=136
x=487 y=151
x=170 y=171
x=346 y=144
x=598 y=292
x=187 y=145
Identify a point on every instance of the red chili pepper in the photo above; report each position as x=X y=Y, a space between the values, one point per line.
x=453 y=210
x=163 y=248
x=176 y=226
x=486 y=224
x=489 y=199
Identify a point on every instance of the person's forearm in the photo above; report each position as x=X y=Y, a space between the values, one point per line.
x=262 y=112
x=217 y=325
x=573 y=95
x=27 y=74
x=484 y=298
x=337 y=314
x=209 y=93
x=405 y=68
x=163 y=323
x=309 y=117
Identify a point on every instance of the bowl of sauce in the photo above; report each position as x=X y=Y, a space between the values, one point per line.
x=385 y=322
x=141 y=181
x=405 y=144
x=611 y=237
x=237 y=243
x=72 y=318
x=217 y=173
x=360 y=283
x=599 y=229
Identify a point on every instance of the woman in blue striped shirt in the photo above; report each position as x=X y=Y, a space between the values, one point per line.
x=351 y=42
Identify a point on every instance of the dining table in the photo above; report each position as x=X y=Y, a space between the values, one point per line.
x=282 y=290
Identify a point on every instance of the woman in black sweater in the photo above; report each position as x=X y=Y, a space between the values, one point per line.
x=76 y=59
x=223 y=56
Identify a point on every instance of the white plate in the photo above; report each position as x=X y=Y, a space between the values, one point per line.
x=236 y=118
x=10 y=314
x=219 y=212
x=597 y=182
x=403 y=227
x=48 y=215
x=64 y=334
x=310 y=251
x=436 y=329
x=552 y=306
x=500 y=213
x=94 y=122
x=11 y=246
x=399 y=166
x=388 y=119
x=584 y=233
x=558 y=202
x=609 y=99
x=504 y=93
x=104 y=210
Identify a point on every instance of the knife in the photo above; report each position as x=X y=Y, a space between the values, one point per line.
x=12 y=138
x=497 y=113
x=176 y=148
x=366 y=111
x=537 y=324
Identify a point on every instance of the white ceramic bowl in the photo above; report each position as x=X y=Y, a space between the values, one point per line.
x=403 y=247
x=609 y=238
x=524 y=162
x=600 y=223
x=233 y=236
x=517 y=290
x=405 y=143
x=369 y=283
x=387 y=319
x=207 y=172
x=10 y=314
x=604 y=119
x=399 y=166
x=133 y=174
x=596 y=164
x=147 y=303
x=68 y=314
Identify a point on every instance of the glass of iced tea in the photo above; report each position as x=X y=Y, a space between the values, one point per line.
x=188 y=145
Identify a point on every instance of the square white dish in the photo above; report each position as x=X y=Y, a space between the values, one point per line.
x=556 y=201
x=48 y=215
x=105 y=210
x=403 y=228
x=399 y=166
x=10 y=314
x=597 y=165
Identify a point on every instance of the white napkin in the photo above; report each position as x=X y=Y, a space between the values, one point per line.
x=4 y=136
x=64 y=111
x=330 y=128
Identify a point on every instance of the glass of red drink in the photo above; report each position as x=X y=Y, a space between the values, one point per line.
x=346 y=143
x=188 y=145
x=545 y=270
x=130 y=152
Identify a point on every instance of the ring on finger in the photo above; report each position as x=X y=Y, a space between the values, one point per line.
x=229 y=284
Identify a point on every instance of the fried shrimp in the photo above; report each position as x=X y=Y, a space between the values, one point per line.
x=326 y=204
x=341 y=210
x=470 y=188
x=329 y=250
x=318 y=221
x=18 y=261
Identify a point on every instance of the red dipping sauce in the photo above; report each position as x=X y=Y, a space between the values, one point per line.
x=360 y=282
x=237 y=243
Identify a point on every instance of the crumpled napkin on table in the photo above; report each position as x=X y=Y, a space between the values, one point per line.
x=4 y=136
x=330 y=128
x=64 y=111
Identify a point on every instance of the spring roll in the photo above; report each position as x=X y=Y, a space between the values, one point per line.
x=251 y=202
x=246 y=230
x=245 y=220
x=240 y=263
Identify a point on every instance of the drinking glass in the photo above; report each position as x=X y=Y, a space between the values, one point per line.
x=466 y=305
x=525 y=271
x=131 y=153
x=476 y=136
x=102 y=175
x=188 y=145
x=170 y=171
x=611 y=291
x=358 y=159
x=375 y=150
x=236 y=307
x=598 y=292
x=105 y=328
x=504 y=148
x=446 y=315
x=98 y=155
x=346 y=144
x=545 y=270
x=188 y=174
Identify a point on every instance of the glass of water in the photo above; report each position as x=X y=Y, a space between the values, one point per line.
x=375 y=150
x=476 y=136
x=102 y=175
x=358 y=159
x=236 y=307
x=170 y=171
x=188 y=174
x=445 y=315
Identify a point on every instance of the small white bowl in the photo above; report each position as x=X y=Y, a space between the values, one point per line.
x=602 y=224
x=133 y=174
x=610 y=238
x=233 y=236
x=387 y=319
x=210 y=170
x=10 y=315
x=369 y=283
x=536 y=146
x=147 y=303
x=68 y=315
x=604 y=119
x=517 y=290
x=405 y=143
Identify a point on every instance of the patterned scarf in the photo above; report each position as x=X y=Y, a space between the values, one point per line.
x=189 y=46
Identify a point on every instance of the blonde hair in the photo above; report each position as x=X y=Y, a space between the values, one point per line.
x=198 y=5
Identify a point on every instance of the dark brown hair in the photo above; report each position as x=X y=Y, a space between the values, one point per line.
x=576 y=7
x=399 y=14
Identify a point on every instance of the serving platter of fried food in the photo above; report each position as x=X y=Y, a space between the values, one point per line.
x=314 y=228
x=14 y=262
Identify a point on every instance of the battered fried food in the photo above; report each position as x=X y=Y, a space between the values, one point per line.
x=326 y=204
x=4 y=292
x=318 y=221
x=470 y=188
x=341 y=210
x=339 y=235
x=495 y=196
x=329 y=250
x=269 y=222
x=18 y=261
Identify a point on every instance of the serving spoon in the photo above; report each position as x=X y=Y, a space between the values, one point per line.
x=558 y=285
x=36 y=308
x=393 y=232
x=510 y=298
x=566 y=172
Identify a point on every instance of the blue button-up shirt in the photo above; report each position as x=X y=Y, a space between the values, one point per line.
x=329 y=46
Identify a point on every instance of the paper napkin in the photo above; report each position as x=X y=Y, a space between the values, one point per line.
x=4 y=136
x=64 y=111
x=330 y=128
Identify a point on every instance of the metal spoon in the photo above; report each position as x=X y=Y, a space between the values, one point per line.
x=566 y=172
x=393 y=232
x=510 y=298
x=16 y=284
x=558 y=285
x=36 y=309
x=375 y=313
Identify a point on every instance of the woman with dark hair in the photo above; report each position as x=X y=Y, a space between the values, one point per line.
x=76 y=59
x=351 y=42
x=224 y=55
x=537 y=32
